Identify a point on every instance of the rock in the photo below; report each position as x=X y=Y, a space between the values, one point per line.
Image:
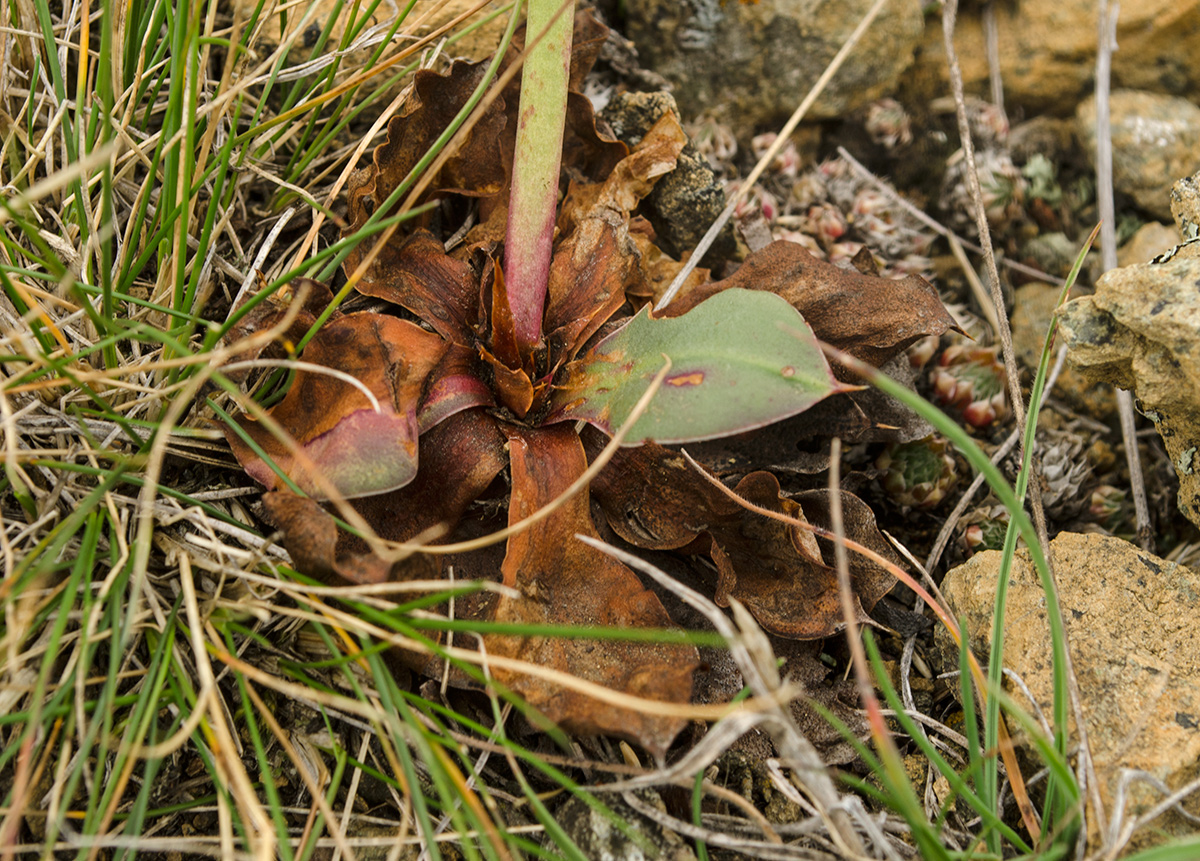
x=685 y=202
x=1053 y=253
x=1135 y=647
x=1185 y=206
x=1155 y=139
x=1033 y=308
x=600 y=840
x=1048 y=52
x=751 y=63
x=1052 y=138
x=1152 y=239
x=1141 y=331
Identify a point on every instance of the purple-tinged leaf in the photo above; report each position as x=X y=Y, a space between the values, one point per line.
x=453 y=386
x=740 y=360
x=359 y=447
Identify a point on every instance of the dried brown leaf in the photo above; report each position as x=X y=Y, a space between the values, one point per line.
x=565 y=582
x=869 y=317
x=359 y=450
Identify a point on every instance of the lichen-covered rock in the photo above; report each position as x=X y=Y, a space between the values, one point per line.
x=1135 y=647
x=685 y=202
x=1185 y=206
x=1155 y=139
x=1141 y=331
x=1048 y=51
x=752 y=63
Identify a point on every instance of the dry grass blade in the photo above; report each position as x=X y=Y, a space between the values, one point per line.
x=1107 y=43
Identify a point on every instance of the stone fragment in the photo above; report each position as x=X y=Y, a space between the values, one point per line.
x=1131 y=624
x=1154 y=138
x=685 y=202
x=1185 y=206
x=599 y=838
x=1048 y=52
x=1033 y=309
x=1151 y=239
x=750 y=64
x=1141 y=331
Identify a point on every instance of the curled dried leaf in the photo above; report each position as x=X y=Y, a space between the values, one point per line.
x=566 y=582
x=869 y=317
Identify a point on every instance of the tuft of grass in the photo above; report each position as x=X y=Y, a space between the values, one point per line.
x=1060 y=815
x=169 y=683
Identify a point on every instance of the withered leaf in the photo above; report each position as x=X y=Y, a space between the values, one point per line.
x=418 y=275
x=791 y=594
x=565 y=582
x=598 y=260
x=313 y=296
x=453 y=386
x=871 y=581
x=870 y=318
x=319 y=549
x=654 y=500
x=477 y=168
x=459 y=459
x=359 y=450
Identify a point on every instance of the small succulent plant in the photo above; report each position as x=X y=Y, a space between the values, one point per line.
x=1003 y=188
x=918 y=474
x=716 y=143
x=786 y=163
x=826 y=223
x=888 y=123
x=758 y=200
x=922 y=351
x=983 y=528
x=972 y=379
x=1065 y=473
x=1043 y=182
x=1108 y=506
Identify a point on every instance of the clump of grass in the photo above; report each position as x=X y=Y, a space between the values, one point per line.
x=170 y=684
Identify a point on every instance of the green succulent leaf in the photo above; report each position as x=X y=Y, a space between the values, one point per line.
x=740 y=360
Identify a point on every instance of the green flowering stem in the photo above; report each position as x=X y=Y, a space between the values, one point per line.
x=531 y=207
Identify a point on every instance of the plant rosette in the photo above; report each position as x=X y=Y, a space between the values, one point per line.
x=474 y=410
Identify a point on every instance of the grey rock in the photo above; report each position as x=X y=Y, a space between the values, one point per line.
x=1053 y=253
x=1141 y=331
x=600 y=840
x=1130 y=620
x=752 y=63
x=685 y=202
x=1155 y=139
